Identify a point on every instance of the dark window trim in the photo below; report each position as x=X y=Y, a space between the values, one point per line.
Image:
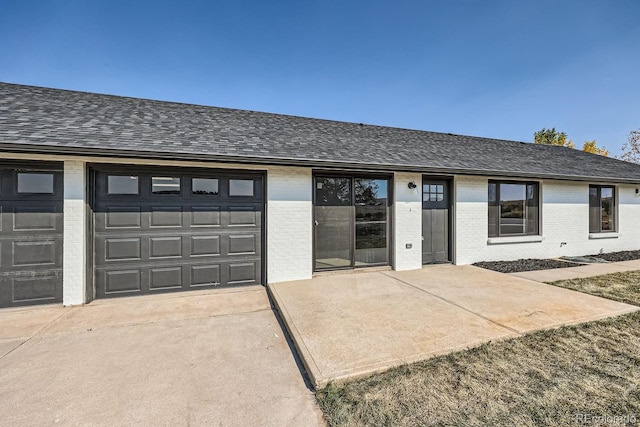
x=614 y=215
x=495 y=204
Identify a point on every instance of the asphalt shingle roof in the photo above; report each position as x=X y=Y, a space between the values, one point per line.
x=60 y=121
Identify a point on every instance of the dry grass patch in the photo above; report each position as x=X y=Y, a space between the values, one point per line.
x=545 y=378
x=623 y=287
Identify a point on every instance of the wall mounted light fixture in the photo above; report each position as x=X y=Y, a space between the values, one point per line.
x=411 y=185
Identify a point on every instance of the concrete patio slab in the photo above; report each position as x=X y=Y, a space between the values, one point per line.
x=190 y=360
x=555 y=274
x=522 y=305
x=351 y=325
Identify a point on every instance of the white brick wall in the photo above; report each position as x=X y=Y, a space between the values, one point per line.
x=289 y=224
x=565 y=219
x=289 y=212
x=407 y=222
x=75 y=237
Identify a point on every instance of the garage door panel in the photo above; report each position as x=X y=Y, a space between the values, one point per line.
x=116 y=249
x=165 y=278
x=119 y=217
x=205 y=275
x=34 y=253
x=187 y=240
x=118 y=281
x=243 y=244
x=166 y=216
x=37 y=288
x=44 y=218
x=205 y=246
x=244 y=216
x=205 y=216
x=242 y=273
x=165 y=247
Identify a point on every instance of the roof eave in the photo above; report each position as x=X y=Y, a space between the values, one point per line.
x=281 y=161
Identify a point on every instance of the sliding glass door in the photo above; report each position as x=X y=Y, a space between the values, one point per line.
x=333 y=225
x=351 y=221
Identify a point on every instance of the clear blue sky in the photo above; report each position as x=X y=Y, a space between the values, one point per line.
x=499 y=68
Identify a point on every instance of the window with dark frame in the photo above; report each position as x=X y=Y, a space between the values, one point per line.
x=514 y=208
x=602 y=206
x=165 y=185
x=122 y=184
x=35 y=183
x=432 y=193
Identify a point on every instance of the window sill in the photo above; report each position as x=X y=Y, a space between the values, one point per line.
x=514 y=239
x=603 y=235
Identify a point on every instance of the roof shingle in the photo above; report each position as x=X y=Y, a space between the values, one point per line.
x=56 y=121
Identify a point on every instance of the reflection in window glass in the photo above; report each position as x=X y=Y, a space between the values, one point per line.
x=371 y=221
x=513 y=209
x=204 y=186
x=602 y=209
x=241 y=187
x=333 y=191
x=606 y=200
x=122 y=184
x=512 y=203
x=371 y=199
x=39 y=183
x=165 y=185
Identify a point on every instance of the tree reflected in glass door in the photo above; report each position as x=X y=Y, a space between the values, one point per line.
x=371 y=221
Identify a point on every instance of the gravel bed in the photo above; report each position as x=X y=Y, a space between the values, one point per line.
x=619 y=256
x=524 y=265
x=545 y=264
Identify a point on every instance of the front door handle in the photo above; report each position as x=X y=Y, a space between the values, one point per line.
x=315 y=223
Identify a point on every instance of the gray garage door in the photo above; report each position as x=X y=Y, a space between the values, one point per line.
x=167 y=230
x=30 y=234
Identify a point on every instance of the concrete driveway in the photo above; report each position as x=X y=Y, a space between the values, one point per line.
x=215 y=358
x=348 y=325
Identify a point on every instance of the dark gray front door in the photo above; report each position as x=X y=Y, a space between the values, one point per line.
x=435 y=221
x=167 y=230
x=31 y=224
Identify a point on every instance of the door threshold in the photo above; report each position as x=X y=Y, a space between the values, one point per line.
x=436 y=263
x=352 y=270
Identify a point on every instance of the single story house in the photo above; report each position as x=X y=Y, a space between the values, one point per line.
x=104 y=196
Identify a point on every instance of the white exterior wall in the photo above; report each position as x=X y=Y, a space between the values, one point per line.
x=289 y=221
x=564 y=219
x=74 y=260
x=407 y=222
x=289 y=224
x=289 y=216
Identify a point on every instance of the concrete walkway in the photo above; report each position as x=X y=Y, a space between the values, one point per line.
x=349 y=325
x=590 y=270
x=214 y=358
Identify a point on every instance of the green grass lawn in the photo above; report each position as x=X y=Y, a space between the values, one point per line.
x=550 y=377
